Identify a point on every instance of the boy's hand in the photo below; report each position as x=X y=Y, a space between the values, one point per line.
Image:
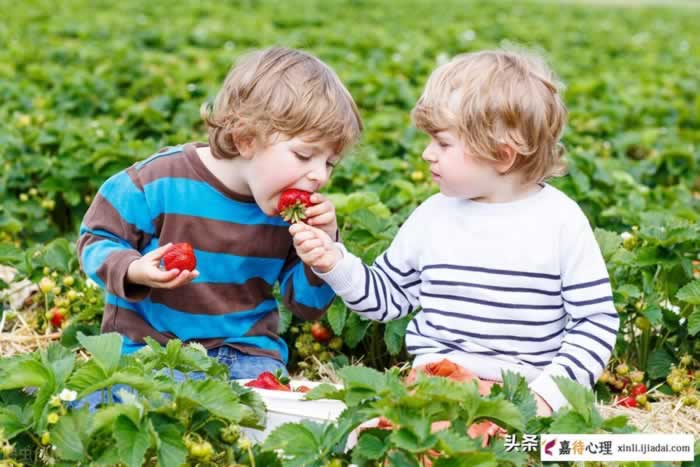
x=146 y=271
x=543 y=408
x=322 y=215
x=315 y=247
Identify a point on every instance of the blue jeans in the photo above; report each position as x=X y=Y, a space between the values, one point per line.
x=240 y=366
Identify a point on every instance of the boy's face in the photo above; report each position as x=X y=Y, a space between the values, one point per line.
x=458 y=173
x=288 y=163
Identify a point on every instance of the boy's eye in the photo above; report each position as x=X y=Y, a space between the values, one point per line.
x=443 y=144
x=301 y=156
x=331 y=164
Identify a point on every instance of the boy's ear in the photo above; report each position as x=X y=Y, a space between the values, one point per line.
x=505 y=158
x=245 y=146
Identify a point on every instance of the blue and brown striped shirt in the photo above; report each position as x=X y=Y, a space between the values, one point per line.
x=241 y=254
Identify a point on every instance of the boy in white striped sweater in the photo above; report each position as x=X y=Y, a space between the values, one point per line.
x=504 y=268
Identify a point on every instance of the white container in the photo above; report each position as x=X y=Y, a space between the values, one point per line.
x=284 y=407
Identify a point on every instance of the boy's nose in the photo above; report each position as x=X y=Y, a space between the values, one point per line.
x=319 y=175
x=428 y=155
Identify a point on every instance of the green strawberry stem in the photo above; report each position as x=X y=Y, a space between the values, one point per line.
x=294 y=213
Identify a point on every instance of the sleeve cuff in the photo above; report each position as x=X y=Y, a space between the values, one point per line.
x=548 y=390
x=122 y=288
x=340 y=278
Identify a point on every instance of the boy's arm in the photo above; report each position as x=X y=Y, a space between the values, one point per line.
x=116 y=227
x=591 y=332
x=389 y=288
x=303 y=292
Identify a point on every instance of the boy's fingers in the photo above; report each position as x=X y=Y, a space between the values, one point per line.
x=325 y=218
x=318 y=198
x=179 y=280
x=158 y=275
x=296 y=228
x=317 y=209
x=302 y=237
x=158 y=252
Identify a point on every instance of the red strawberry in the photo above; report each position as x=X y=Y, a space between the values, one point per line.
x=320 y=332
x=180 y=256
x=267 y=380
x=627 y=402
x=293 y=203
x=57 y=317
x=638 y=389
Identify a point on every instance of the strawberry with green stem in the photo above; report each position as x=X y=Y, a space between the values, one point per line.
x=293 y=203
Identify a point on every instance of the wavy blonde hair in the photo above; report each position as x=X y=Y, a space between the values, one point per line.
x=495 y=98
x=286 y=91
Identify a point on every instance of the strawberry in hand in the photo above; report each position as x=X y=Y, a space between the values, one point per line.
x=293 y=203
x=180 y=256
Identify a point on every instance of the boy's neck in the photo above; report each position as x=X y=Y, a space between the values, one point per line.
x=227 y=171
x=509 y=188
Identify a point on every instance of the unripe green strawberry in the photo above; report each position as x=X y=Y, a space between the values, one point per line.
x=622 y=369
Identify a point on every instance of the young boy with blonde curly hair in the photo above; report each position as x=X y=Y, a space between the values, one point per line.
x=282 y=119
x=504 y=267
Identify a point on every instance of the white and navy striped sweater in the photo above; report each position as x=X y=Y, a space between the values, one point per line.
x=518 y=286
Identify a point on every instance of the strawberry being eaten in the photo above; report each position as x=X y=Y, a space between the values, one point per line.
x=293 y=203
x=180 y=256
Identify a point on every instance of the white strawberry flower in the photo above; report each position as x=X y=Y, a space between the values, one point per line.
x=67 y=395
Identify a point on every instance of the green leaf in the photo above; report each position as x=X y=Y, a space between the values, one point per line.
x=106 y=416
x=105 y=349
x=66 y=436
x=516 y=390
x=325 y=391
x=296 y=440
x=405 y=438
x=395 y=333
x=694 y=322
x=132 y=441
x=569 y=421
x=171 y=448
x=355 y=330
x=86 y=376
x=615 y=423
x=10 y=254
x=215 y=396
x=285 y=319
x=402 y=459
x=580 y=398
x=24 y=373
x=337 y=315
x=359 y=377
x=60 y=360
x=690 y=293
x=608 y=241
x=502 y=412
x=370 y=447
x=659 y=364
x=11 y=422
x=58 y=254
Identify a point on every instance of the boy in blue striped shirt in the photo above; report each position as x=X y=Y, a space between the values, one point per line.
x=282 y=119
x=504 y=267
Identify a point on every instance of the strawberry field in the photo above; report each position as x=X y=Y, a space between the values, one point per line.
x=89 y=88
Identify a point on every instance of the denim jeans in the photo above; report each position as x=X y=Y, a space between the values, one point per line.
x=240 y=366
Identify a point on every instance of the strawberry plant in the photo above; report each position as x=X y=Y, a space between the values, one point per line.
x=160 y=421
x=412 y=409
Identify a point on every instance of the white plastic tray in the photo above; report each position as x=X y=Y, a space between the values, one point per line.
x=284 y=407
